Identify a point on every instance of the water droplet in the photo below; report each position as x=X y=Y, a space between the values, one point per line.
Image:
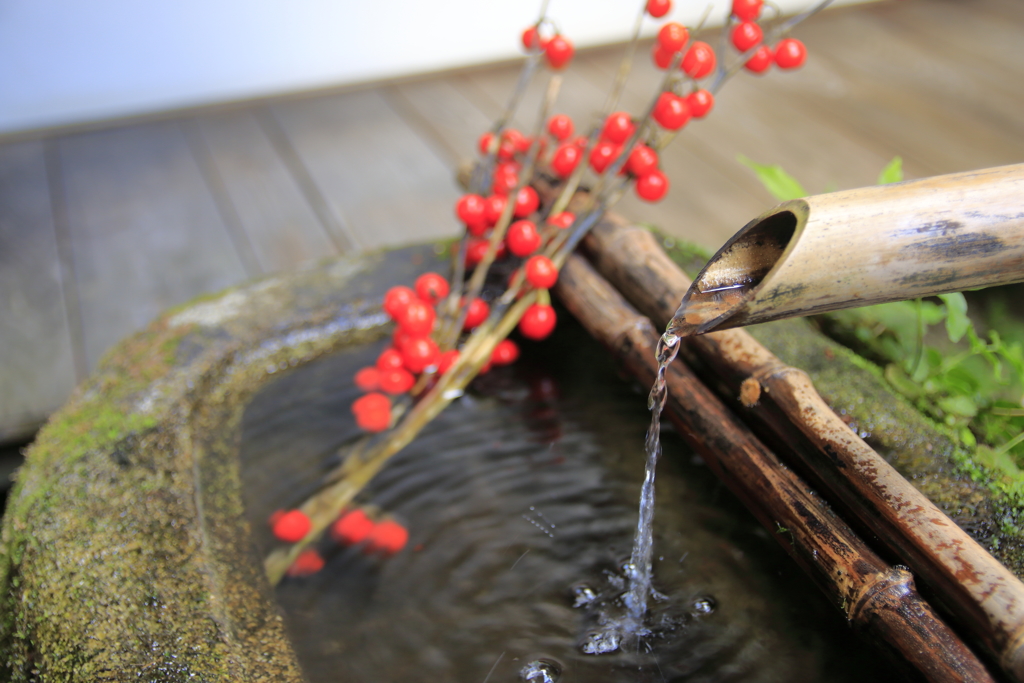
x=703 y=606
x=541 y=671
x=584 y=595
x=602 y=642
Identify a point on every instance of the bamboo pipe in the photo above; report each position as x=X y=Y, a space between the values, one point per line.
x=965 y=579
x=877 y=598
x=858 y=247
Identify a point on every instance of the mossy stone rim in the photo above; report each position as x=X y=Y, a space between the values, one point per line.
x=124 y=551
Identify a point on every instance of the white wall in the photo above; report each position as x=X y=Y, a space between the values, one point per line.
x=64 y=61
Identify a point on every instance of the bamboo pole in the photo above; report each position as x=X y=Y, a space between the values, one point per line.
x=983 y=595
x=877 y=598
x=871 y=245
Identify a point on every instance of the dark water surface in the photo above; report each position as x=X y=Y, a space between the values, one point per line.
x=521 y=501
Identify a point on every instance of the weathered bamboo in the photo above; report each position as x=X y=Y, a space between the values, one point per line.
x=983 y=595
x=877 y=598
x=870 y=245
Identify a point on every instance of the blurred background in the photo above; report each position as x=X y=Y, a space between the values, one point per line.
x=70 y=63
x=154 y=152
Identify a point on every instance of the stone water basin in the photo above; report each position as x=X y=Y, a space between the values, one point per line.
x=133 y=540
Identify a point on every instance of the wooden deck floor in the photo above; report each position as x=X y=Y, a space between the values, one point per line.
x=102 y=230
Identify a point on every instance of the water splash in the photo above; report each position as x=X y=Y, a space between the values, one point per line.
x=541 y=671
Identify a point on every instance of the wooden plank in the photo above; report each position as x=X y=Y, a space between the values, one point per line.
x=887 y=93
x=986 y=31
x=382 y=179
x=455 y=122
x=282 y=228
x=145 y=231
x=36 y=361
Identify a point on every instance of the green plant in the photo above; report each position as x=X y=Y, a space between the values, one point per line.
x=969 y=382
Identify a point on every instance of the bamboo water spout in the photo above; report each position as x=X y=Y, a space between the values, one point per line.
x=865 y=246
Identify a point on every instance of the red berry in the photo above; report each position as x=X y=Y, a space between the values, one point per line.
x=368 y=379
x=494 y=205
x=581 y=141
x=399 y=338
x=531 y=38
x=505 y=180
x=292 y=526
x=352 y=527
x=371 y=403
x=476 y=313
x=747 y=10
x=374 y=420
x=527 y=202
x=642 y=160
x=658 y=8
x=419 y=354
x=746 y=35
x=505 y=352
x=397 y=299
x=307 y=563
x=396 y=381
x=478 y=230
x=541 y=272
x=617 y=127
x=390 y=359
x=446 y=360
x=513 y=138
x=470 y=209
x=662 y=58
x=790 y=53
x=388 y=536
x=523 y=238
x=700 y=103
x=560 y=126
x=562 y=220
x=431 y=286
x=699 y=60
x=671 y=111
x=538 y=322
x=559 y=51
x=653 y=186
x=484 y=143
x=523 y=144
x=672 y=37
x=418 y=319
x=565 y=160
x=603 y=154
x=760 y=60
x=475 y=251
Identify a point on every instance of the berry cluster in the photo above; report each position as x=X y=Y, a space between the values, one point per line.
x=353 y=527
x=557 y=49
x=747 y=36
x=449 y=330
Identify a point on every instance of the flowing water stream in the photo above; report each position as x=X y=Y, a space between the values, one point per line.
x=520 y=502
x=688 y=319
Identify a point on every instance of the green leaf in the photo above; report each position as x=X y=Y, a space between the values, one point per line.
x=782 y=185
x=892 y=173
x=899 y=380
x=958 y=405
x=957 y=321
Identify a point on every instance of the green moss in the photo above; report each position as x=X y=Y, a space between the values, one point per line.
x=929 y=454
